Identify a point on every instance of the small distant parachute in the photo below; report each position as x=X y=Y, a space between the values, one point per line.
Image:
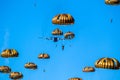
x=9 y=53
x=57 y=32
x=63 y=19
x=5 y=69
x=30 y=65
x=16 y=75
x=108 y=63
x=112 y=2
x=88 y=69
x=63 y=46
x=43 y=56
x=69 y=35
x=75 y=78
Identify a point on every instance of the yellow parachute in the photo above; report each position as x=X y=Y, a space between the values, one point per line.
x=43 y=56
x=112 y=2
x=57 y=32
x=5 y=69
x=30 y=65
x=88 y=69
x=108 y=63
x=69 y=35
x=16 y=75
x=75 y=78
x=63 y=19
x=9 y=53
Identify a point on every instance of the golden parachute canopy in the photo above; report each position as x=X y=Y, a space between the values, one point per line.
x=75 y=78
x=16 y=75
x=63 y=19
x=43 y=56
x=112 y=2
x=9 y=53
x=88 y=69
x=30 y=65
x=69 y=35
x=108 y=63
x=57 y=32
x=5 y=69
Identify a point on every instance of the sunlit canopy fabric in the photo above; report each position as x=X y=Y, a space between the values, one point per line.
x=30 y=65
x=5 y=69
x=63 y=19
x=69 y=35
x=75 y=78
x=43 y=56
x=16 y=75
x=112 y=2
x=57 y=32
x=88 y=69
x=108 y=63
x=9 y=53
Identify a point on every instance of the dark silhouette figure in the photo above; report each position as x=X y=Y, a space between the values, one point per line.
x=63 y=47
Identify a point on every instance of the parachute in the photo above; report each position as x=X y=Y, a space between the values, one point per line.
x=5 y=69
x=57 y=32
x=63 y=19
x=30 y=65
x=43 y=56
x=108 y=63
x=69 y=35
x=112 y=2
x=9 y=53
x=88 y=69
x=16 y=75
x=75 y=78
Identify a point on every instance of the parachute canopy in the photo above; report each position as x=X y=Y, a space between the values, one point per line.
x=30 y=65
x=16 y=75
x=112 y=2
x=69 y=35
x=43 y=56
x=63 y=19
x=75 y=78
x=57 y=32
x=108 y=63
x=9 y=53
x=5 y=69
x=88 y=69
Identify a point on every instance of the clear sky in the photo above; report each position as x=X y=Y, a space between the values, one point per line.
x=21 y=23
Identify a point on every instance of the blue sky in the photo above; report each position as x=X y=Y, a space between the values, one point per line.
x=95 y=37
